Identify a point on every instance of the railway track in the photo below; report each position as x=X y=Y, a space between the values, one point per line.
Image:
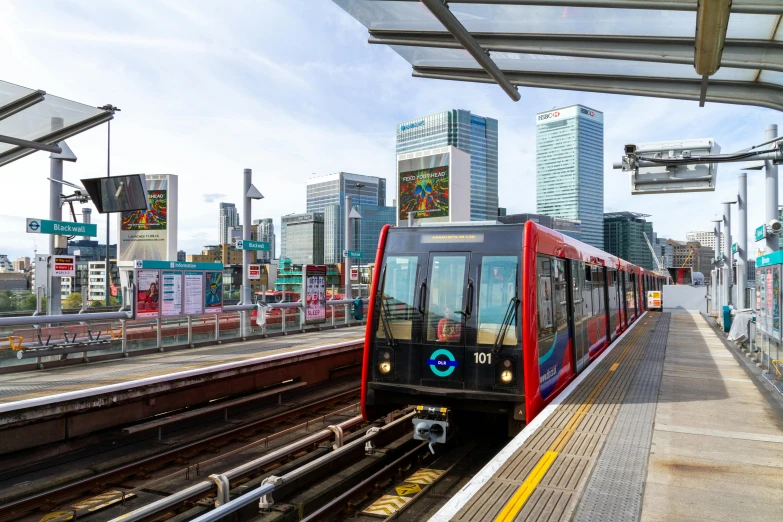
x=175 y=459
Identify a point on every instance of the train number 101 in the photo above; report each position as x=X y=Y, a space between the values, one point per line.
x=483 y=358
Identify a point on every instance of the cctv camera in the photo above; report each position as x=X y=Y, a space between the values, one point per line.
x=630 y=148
x=774 y=226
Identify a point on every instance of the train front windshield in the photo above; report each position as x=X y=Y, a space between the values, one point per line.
x=448 y=308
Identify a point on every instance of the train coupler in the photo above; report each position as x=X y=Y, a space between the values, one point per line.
x=431 y=424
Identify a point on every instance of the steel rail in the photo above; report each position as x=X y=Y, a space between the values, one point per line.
x=16 y=507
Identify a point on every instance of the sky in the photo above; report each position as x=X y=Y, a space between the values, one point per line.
x=292 y=90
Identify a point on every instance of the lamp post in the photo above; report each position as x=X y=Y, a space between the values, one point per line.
x=716 y=279
x=250 y=192
x=359 y=187
x=729 y=259
x=108 y=107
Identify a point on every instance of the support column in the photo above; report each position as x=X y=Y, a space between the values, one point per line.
x=727 y=262
x=348 y=246
x=742 y=240
x=771 y=182
x=246 y=254
x=54 y=300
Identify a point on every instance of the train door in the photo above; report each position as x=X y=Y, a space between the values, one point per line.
x=626 y=319
x=446 y=301
x=580 y=316
x=553 y=328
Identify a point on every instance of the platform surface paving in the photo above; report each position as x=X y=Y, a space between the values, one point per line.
x=41 y=383
x=668 y=426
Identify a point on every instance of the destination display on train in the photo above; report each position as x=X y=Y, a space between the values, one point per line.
x=476 y=237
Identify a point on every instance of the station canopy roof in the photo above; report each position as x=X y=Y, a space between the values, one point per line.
x=710 y=50
x=32 y=120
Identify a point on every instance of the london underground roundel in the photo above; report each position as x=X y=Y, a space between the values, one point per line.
x=442 y=362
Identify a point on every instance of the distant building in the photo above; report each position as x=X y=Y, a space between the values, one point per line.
x=569 y=227
x=624 y=237
x=265 y=231
x=693 y=254
x=570 y=168
x=289 y=278
x=5 y=263
x=302 y=238
x=750 y=271
x=181 y=256
x=469 y=132
x=21 y=264
x=96 y=286
x=706 y=239
x=13 y=281
x=90 y=250
x=229 y=217
x=209 y=254
x=331 y=189
x=366 y=230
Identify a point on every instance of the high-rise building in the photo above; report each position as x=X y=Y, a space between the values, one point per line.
x=229 y=217
x=366 y=231
x=471 y=133
x=90 y=250
x=22 y=264
x=569 y=227
x=706 y=239
x=331 y=190
x=181 y=255
x=5 y=263
x=265 y=231
x=694 y=255
x=624 y=237
x=569 y=168
x=96 y=286
x=302 y=238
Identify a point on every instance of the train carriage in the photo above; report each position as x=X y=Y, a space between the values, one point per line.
x=490 y=318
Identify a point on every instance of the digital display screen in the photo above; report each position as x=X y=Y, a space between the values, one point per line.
x=154 y=218
x=423 y=185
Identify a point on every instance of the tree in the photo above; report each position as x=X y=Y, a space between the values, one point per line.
x=73 y=300
x=7 y=303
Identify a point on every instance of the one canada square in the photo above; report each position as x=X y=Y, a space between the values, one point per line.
x=569 y=168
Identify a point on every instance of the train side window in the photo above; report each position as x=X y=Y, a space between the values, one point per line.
x=396 y=301
x=561 y=295
x=546 y=322
x=498 y=285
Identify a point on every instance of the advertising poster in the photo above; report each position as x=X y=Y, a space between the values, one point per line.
x=143 y=233
x=314 y=277
x=172 y=293
x=194 y=293
x=147 y=293
x=213 y=292
x=425 y=193
x=775 y=301
x=761 y=319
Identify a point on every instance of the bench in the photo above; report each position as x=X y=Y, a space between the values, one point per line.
x=160 y=423
x=41 y=342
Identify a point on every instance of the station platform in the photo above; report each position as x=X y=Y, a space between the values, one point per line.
x=670 y=424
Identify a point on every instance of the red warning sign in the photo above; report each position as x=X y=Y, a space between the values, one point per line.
x=64 y=266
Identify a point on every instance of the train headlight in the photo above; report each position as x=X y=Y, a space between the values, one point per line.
x=506 y=376
x=384 y=367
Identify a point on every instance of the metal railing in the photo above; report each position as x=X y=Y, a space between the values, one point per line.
x=236 y=322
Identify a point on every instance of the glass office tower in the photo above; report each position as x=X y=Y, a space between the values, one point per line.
x=474 y=134
x=569 y=168
x=302 y=238
x=331 y=190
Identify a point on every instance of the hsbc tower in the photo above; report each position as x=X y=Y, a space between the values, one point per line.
x=569 y=168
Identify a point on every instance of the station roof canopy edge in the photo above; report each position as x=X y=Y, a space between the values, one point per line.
x=708 y=50
x=32 y=120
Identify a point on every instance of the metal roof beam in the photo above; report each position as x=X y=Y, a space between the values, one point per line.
x=772 y=7
x=440 y=10
x=741 y=54
x=739 y=93
x=56 y=137
x=27 y=144
x=20 y=104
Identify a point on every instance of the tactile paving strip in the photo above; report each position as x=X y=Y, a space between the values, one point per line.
x=37 y=383
x=576 y=432
x=616 y=487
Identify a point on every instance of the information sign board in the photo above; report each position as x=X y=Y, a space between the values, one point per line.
x=314 y=282
x=64 y=266
x=194 y=293
x=176 y=288
x=254 y=271
x=172 y=293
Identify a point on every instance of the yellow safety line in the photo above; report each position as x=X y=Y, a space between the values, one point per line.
x=520 y=496
x=517 y=501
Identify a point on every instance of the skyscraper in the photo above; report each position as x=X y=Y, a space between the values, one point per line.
x=569 y=168
x=624 y=237
x=471 y=133
x=706 y=239
x=302 y=238
x=326 y=194
x=229 y=217
x=265 y=231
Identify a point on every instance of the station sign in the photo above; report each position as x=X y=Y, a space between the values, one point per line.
x=64 y=266
x=254 y=271
x=249 y=244
x=60 y=228
x=734 y=248
x=355 y=254
x=760 y=233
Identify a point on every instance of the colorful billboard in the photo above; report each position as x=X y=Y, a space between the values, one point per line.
x=151 y=234
x=424 y=189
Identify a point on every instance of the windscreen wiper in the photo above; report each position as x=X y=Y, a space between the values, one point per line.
x=510 y=313
x=390 y=340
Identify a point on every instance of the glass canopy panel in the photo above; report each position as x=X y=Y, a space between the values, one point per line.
x=456 y=58
x=10 y=92
x=752 y=26
x=41 y=119
x=771 y=77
